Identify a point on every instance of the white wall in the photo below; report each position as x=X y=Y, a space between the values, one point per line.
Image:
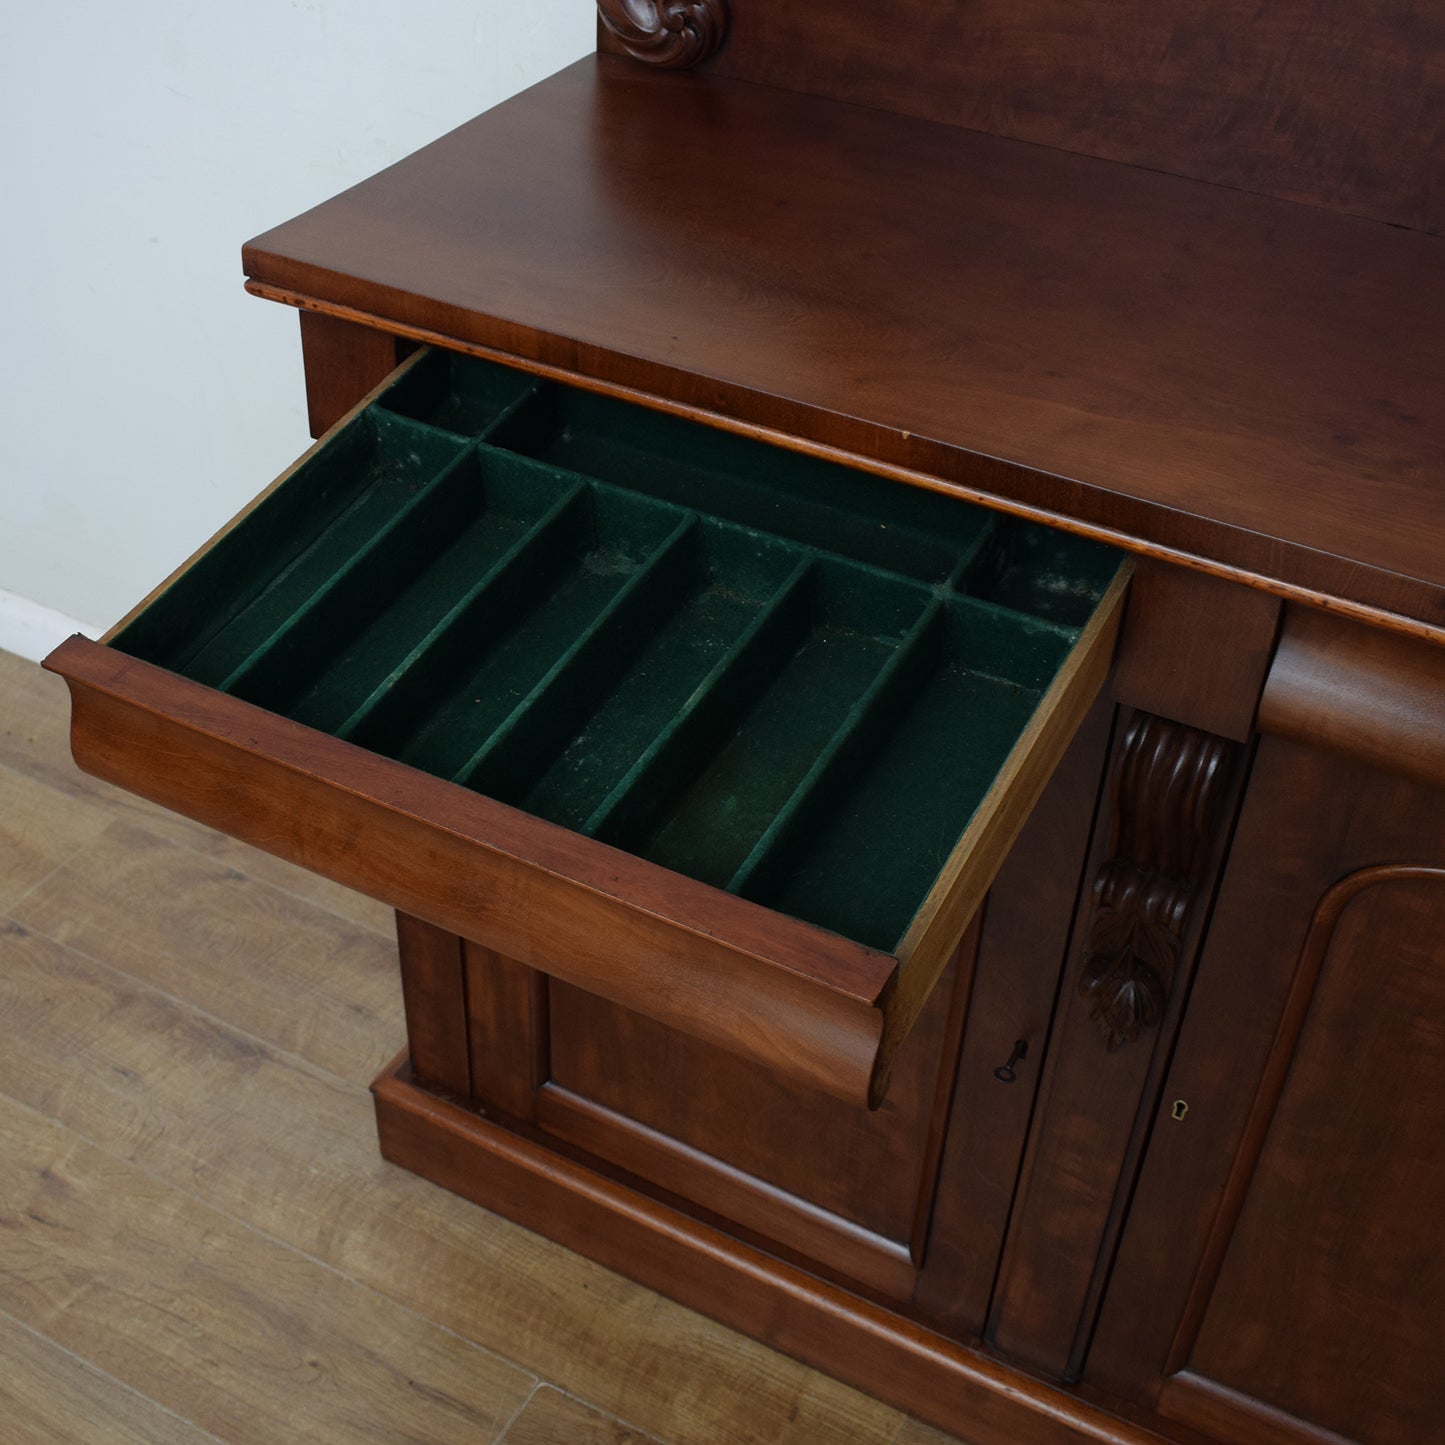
x=145 y=396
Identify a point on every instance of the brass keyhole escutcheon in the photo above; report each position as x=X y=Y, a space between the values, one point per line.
x=1179 y=1110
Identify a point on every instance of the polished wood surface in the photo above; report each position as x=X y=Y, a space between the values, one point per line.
x=1153 y=864
x=779 y=991
x=1023 y=949
x=1243 y=382
x=673 y=37
x=1335 y=1232
x=1304 y=1171
x=753 y=965
x=343 y=361
x=1346 y=689
x=434 y=995
x=1166 y=1139
x=1195 y=649
x=908 y=1202
x=201 y=1241
x=563 y=605
x=864 y=1197
x=1339 y=106
x=486 y=1162
x=976 y=859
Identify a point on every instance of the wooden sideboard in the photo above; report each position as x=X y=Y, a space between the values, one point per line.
x=1144 y=1144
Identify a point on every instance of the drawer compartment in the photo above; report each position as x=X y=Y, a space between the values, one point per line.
x=732 y=736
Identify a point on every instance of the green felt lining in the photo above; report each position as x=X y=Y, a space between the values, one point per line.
x=252 y=577
x=774 y=674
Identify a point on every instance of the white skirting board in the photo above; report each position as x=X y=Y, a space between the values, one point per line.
x=30 y=630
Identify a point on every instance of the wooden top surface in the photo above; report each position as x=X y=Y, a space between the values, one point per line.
x=1244 y=381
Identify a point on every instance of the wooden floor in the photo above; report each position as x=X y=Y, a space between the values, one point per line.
x=198 y=1238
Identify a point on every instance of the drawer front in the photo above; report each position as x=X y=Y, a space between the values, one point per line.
x=733 y=737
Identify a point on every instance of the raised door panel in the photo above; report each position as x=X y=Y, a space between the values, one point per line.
x=1333 y=1278
x=907 y=1201
x=837 y=1186
x=609 y=1064
x=1280 y=1274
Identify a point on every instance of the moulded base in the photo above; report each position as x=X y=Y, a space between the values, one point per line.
x=952 y=1385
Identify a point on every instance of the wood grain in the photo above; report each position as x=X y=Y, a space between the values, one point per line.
x=944 y=1381
x=343 y=362
x=1246 y=382
x=161 y=1292
x=39 y=830
x=552 y=1418
x=1333 y=1203
x=1378 y=700
x=154 y=909
x=1310 y=820
x=772 y=988
x=49 y=1395
x=915 y=1432
x=268 y=1139
x=1022 y=952
x=35 y=742
x=434 y=996
x=1336 y=106
x=933 y=935
x=1195 y=649
x=509 y=1032
x=1096 y=1104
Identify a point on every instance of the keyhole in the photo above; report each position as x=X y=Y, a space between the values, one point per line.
x=1179 y=1110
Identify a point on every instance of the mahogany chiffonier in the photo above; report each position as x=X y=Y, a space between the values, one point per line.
x=872 y=590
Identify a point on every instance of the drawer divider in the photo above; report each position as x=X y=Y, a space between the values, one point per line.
x=896 y=683
x=678 y=749
x=968 y=558
x=514 y=756
x=516 y=571
x=310 y=622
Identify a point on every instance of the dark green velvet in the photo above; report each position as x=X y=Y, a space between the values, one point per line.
x=771 y=673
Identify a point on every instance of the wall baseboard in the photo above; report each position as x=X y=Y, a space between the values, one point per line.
x=30 y=630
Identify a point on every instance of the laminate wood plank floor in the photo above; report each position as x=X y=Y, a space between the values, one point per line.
x=198 y=1237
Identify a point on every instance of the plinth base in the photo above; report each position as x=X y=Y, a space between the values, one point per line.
x=898 y=1360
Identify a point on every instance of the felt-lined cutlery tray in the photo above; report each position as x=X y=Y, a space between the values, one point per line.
x=730 y=734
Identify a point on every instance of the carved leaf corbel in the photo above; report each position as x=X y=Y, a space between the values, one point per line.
x=673 y=34
x=1168 y=789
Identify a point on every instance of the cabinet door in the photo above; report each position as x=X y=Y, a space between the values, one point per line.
x=1281 y=1271
x=907 y=1202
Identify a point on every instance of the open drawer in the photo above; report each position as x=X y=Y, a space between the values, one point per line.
x=732 y=736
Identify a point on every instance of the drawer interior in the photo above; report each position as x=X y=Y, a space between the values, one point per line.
x=776 y=675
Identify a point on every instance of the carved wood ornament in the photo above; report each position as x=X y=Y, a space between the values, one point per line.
x=673 y=34
x=1168 y=786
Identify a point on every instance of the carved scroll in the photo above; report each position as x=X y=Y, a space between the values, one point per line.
x=670 y=33
x=1169 y=784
